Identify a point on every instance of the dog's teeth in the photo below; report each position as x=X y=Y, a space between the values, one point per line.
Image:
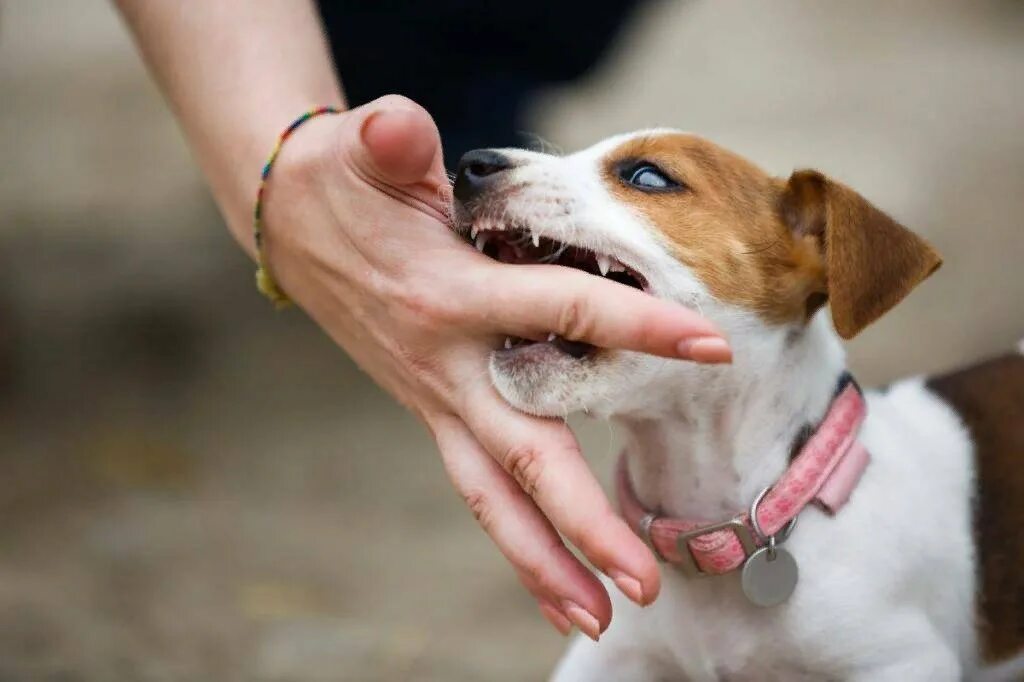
x=473 y=231
x=481 y=242
x=551 y=337
x=617 y=266
x=603 y=263
x=508 y=342
x=535 y=238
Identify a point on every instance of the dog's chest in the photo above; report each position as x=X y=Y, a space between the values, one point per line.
x=717 y=634
x=860 y=571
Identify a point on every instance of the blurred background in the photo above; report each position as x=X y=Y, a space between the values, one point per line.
x=193 y=487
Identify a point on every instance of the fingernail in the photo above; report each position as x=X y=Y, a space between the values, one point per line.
x=708 y=349
x=374 y=116
x=555 y=617
x=582 y=619
x=629 y=585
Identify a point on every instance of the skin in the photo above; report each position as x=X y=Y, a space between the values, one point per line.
x=356 y=234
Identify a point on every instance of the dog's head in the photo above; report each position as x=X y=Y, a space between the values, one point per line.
x=686 y=220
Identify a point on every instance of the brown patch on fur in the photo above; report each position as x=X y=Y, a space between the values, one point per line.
x=780 y=249
x=990 y=401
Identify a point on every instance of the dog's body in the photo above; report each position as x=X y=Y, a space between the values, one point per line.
x=887 y=587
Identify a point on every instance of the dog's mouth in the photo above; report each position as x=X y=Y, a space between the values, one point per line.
x=521 y=246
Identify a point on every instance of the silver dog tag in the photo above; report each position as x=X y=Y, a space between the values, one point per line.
x=769 y=581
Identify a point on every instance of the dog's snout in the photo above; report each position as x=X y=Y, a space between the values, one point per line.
x=478 y=170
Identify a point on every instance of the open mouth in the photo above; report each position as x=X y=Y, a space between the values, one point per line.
x=520 y=246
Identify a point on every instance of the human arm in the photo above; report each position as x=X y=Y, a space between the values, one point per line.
x=356 y=235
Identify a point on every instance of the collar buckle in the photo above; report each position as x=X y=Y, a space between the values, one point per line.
x=688 y=562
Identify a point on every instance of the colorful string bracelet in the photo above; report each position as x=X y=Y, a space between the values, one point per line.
x=264 y=282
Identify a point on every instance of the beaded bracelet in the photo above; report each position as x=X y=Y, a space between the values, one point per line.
x=264 y=282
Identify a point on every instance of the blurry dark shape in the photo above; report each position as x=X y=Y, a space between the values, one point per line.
x=10 y=364
x=473 y=65
x=158 y=341
x=8 y=350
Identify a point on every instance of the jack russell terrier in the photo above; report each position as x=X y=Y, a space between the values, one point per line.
x=809 y=530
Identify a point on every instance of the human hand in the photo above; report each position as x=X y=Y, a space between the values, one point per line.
x=356 y=233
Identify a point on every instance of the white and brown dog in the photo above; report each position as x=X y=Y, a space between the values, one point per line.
x=900 y=568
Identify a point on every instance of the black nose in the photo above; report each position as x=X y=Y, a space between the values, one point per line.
x=478 y=170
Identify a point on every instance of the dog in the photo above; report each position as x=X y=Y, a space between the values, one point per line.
x=905 y=562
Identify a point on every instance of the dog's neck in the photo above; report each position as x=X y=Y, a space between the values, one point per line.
x=709 y=453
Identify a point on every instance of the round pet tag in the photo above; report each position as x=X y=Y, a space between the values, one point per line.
x=769 y=582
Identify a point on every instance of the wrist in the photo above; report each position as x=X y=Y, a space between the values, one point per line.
x=294 y=167
x=300 y=168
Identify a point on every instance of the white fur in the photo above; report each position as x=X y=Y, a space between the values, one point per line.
x=886 y=589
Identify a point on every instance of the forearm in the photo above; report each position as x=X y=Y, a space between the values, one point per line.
x=235 y=72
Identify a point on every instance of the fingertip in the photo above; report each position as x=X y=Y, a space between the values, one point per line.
x=651 y=582
x=628 y=585
x=711 y=350
x=402 y=142
x=584 y=619
x=555 y=616
x=641 y=581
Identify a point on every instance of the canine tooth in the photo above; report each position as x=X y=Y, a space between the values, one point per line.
x=535 y=238
x=472 y=232
x=508 y=342
x=481 y=242
x=551 y=336
x=603 y=263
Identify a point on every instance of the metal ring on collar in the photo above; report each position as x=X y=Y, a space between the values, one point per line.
x=644 y=530
x=779 y=537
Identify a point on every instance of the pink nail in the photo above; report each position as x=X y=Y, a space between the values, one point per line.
x=555 y=617
x=629 y=585
x=582 y=619
x=707 y=349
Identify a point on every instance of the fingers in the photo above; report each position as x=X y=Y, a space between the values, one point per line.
x=542 y=456
x=565 y=589
x=533 y=300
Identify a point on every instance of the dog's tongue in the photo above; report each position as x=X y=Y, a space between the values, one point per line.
x=520 y=254
x=508 y=253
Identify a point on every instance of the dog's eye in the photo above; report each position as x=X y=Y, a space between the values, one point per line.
x=647 y=176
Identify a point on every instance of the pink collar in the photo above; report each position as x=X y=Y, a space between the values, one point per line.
x=825 y=472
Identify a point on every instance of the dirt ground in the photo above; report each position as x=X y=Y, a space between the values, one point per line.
x=195 y=488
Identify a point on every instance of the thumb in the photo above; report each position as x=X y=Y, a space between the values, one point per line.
x=398 y=142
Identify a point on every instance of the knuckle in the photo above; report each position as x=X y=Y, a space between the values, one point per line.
x=574 y=320
x=533 y=573
x=426 y=301
x=480 y=506
x=424 y=367
x=526 y=466
x=426 y=307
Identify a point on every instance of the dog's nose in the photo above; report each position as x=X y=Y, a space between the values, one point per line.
x=478 y=170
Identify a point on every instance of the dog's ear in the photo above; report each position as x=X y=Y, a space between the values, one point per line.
x=871 y=261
